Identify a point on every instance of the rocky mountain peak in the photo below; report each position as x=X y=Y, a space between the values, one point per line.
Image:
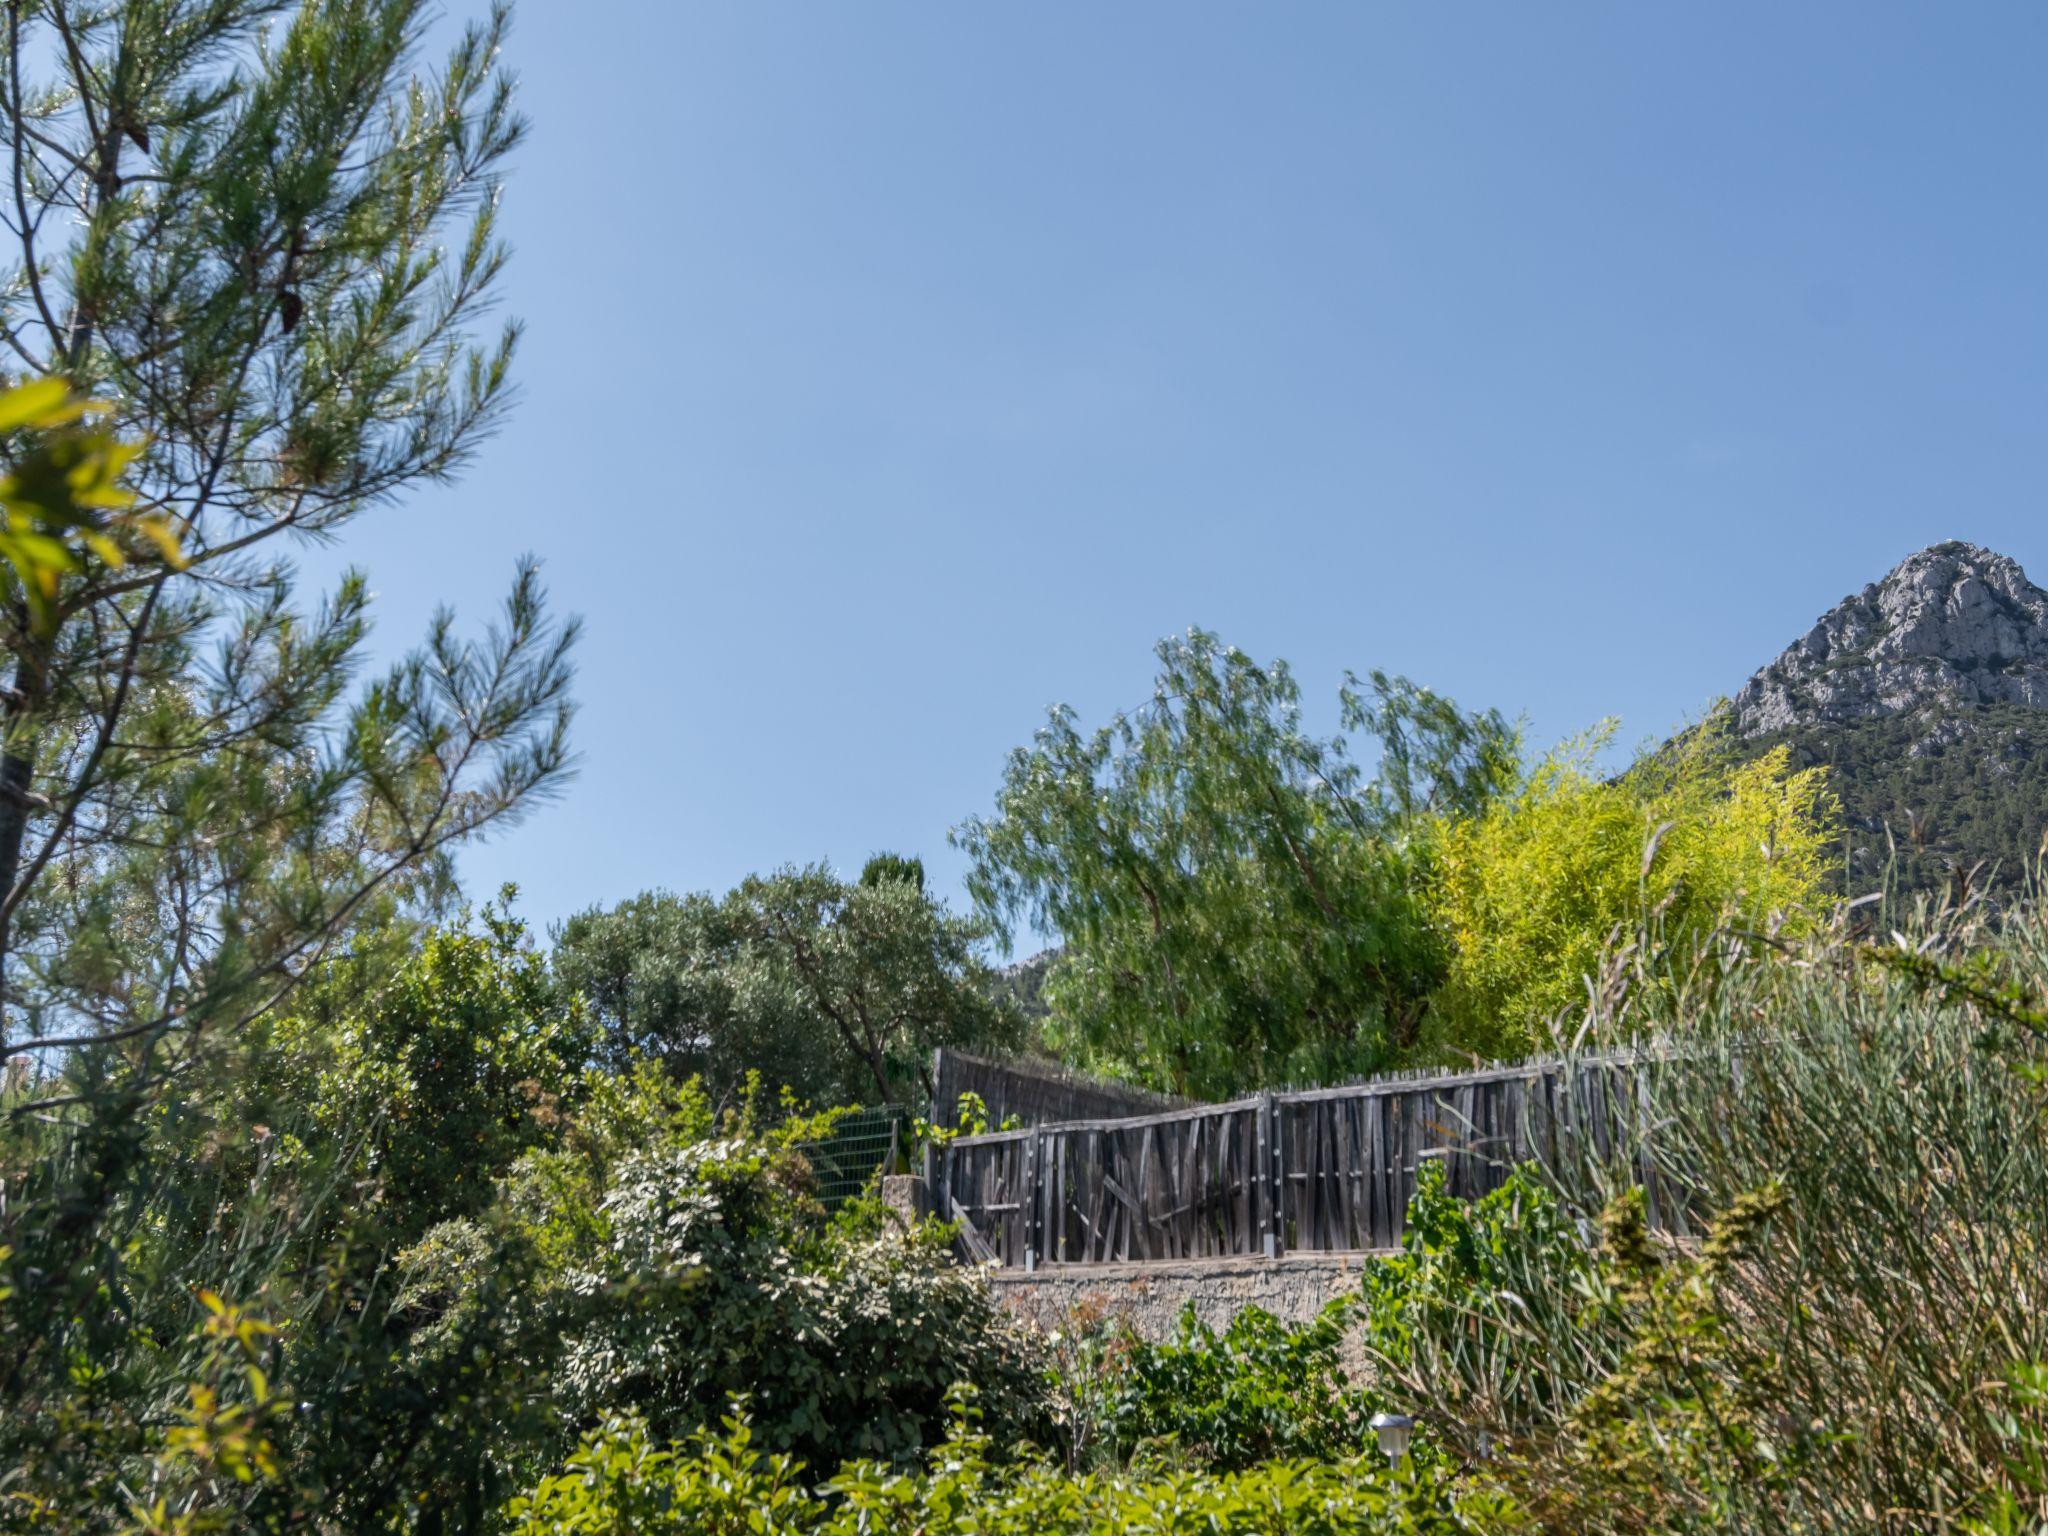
x=1954 y=625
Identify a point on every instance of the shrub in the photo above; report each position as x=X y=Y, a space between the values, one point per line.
x=719 y=1275
x=288 y=1180
x=1261 y=1390
x=1891 y=1096
x=440 y=1071
x=1847 y=1343
x=618 y=1482
x=1603 y=1387
x=1467 y=1279
x=718 y=1483
x=1533 y=889
x=556 y=1191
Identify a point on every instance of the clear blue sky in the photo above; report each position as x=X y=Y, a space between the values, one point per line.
x=1569 y=358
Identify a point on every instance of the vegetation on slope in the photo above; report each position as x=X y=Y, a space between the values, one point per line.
x=1935 y=800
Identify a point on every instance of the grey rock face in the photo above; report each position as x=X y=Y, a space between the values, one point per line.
x=1954 y=625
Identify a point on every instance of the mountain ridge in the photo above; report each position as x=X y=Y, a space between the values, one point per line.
x=1953 y=623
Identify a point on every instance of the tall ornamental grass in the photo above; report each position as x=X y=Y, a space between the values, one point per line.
x=1888 y=1089
x=1831 y=1312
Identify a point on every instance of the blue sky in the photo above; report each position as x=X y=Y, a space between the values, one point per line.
x=894 y=371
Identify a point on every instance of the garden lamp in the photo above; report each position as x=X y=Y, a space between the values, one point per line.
x=1393 y=1430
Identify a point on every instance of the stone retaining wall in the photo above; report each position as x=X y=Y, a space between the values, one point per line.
x=1150 y=1296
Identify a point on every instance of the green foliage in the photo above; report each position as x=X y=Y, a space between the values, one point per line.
x=1934 y=800
x=443 y=1070
x=1598 y=1387
x=719 y=1276
x=2020 y=1508
x=833 y=990
x=1846 y=1344
x=719 y=1483
x=905 y=869
x=1535 y=888
x=556 y=1191
x=63 y=500
x=258 y=238
x=1238 y=907
x=1688 y=1429
x=333 y=1181
x=235 y=237
x=619 y=1483
x=1022 y=985
x=1468 y=1271
x=971 y=1119
x=1892 y=1108
x=1260 y=1391
x=667 y=978
x=222 y=1442
x=455 y=1245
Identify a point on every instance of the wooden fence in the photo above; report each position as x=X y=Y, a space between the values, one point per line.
x=1033 y=1092
x=1327 y=1169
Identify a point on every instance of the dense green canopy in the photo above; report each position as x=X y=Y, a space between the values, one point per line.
x=835 y=990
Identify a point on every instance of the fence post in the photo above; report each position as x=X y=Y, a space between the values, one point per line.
x=1261 y=1234
x=1048 y=1218
x=1041 y=1200
x=1027 y=1200
x=1272 y=1177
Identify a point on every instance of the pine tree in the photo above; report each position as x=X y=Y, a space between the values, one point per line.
x=262 y=234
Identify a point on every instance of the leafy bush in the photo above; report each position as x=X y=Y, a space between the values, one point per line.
x=289 y=1183
x=719 y=1275
x=450 y=1234
x=1261 y=1390
x=718 y=1483
x=556 y=1191
x=1602 y=1387
x=1533 y=889
x=439 y=1067
x=1467 y=1278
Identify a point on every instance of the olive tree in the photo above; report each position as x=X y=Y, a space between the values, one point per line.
x=836 y=989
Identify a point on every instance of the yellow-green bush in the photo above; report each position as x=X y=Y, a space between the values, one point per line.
x=1532 y=889
x=619 y=1482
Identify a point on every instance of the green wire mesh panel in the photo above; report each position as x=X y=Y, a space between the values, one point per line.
x=848 y=1158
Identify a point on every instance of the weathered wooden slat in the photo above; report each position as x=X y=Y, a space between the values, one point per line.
x=1374 y=1112
x=1328 y=1169
x=1360 y=1234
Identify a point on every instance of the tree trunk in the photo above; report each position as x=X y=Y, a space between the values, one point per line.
x=32 y=662
x=17 y=785
x=880 y=1073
